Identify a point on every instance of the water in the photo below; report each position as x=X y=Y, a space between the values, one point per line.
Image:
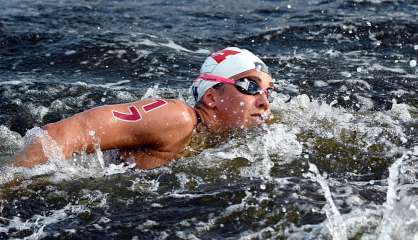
x=347 y=104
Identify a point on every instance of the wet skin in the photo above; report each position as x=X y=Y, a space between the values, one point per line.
x=236 y=109
x=160 y=134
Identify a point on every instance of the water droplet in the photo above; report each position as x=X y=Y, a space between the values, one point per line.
x=69 y=52
x=242 y=104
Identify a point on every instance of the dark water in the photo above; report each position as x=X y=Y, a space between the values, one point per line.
x=349 y=68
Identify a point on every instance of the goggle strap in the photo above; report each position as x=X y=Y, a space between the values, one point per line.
x=215 y=78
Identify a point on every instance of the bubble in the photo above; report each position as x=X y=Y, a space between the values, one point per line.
x=415 y=47
x=359 y=69
x=413 y=63
x=289 y=6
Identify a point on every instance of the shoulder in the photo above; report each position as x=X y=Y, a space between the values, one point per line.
x=169 y=126
x=173 y=112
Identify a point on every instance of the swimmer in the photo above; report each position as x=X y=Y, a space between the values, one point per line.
x=231 y=92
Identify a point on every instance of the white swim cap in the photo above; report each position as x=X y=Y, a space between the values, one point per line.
x=226 y=63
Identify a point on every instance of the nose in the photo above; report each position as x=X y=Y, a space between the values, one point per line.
x=262 y=102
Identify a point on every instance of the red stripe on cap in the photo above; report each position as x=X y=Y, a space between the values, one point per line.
x=215 y=78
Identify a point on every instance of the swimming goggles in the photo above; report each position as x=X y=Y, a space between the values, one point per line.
x=243 y=85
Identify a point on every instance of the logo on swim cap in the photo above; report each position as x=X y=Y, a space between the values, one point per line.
x=226 y=63
x=221 y=55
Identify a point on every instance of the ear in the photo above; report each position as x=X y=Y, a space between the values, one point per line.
x=209 y=99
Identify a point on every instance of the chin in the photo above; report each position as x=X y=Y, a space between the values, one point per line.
x=251 y=124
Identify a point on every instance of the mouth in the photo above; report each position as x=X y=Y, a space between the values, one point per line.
x=261 y=117
x=257 y=117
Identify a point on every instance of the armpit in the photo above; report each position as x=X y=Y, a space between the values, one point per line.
x=147 y=159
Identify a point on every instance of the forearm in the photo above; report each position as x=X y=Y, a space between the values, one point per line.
x=57 y=140
x=31 y=155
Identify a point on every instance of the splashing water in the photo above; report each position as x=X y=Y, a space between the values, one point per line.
x=336 y=224
x=37 y=223
x=400 y=216
x=346 y=72
x=51 y=149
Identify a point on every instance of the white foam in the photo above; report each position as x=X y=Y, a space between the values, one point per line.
x=379 y=67
x=70 y=52
x=206 y=226
x=16 y=82
x=328 y=122
x=345 y=74
x=58 y=169
x=152 y=92
x=38 y=112
x=118 y=83
x=37 y=223
x=169 y=44
x=175 y=46
x=401 y=111
x=256 y=147
x=320 y=84
x=333 y=53
x=9 y=141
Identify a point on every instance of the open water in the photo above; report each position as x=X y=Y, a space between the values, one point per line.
x=339 y=160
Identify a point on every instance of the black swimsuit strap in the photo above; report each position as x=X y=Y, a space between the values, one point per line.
x=199 y=120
